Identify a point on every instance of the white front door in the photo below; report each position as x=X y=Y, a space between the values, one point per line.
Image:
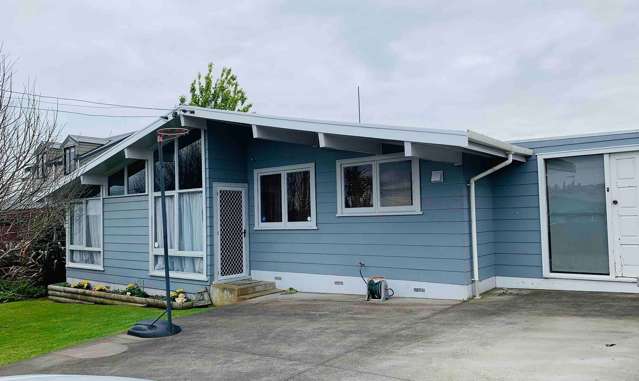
x=231 y=231
x=624 y=192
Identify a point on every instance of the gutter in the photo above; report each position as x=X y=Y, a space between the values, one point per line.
x=473 y=219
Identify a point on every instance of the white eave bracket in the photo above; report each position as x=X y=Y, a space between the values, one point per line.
x=92 y=180
x=433 y=152
x=283 y=135
x=350 y=143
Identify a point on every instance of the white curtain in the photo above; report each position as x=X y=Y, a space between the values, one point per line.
x=170 y=222
x=77 y=224
x=181 y=264
x=94 y=216
x=86 y=257
x=191 y=213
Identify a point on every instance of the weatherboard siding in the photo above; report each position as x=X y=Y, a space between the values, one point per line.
x=516 y=221
x=516 y=203
x=126 y=247
x=431 y=247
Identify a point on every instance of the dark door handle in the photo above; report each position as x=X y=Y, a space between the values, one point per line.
x=243 y=232
x=615 y=202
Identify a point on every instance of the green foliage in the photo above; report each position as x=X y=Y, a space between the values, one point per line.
x=34 y=327
x=133 y=289
x=223 y=94
x=82 y=284
x=11 y=291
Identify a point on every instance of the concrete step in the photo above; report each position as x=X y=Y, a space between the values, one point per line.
x=261 y=293
x=253 y=288
x=236 y=291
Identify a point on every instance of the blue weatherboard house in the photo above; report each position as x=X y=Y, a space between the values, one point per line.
x=438 y=213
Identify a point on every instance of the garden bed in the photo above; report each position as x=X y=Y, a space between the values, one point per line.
x=65 y=294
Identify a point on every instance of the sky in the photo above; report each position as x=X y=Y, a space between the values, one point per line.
x=509 y=69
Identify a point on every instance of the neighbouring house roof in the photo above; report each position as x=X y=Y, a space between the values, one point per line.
x=358 y=137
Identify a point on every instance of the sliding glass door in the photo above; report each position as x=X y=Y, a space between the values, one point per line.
x=577 y=223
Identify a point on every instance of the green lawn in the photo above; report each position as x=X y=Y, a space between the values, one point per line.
x=33 y=327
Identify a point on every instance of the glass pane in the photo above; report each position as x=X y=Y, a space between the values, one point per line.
x=396 y=183
x=180 y=264
x=168 y=156
x=116 y=183
x=170 y=223
x=191 y=224
x=271 y=198
x=136 y=177
x=358 y=186
x=76 y=222
x=577 y=225
x=93 y=228
x=190 y=160
x=298 y=192
x=86 y=257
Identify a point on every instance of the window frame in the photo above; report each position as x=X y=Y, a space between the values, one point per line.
x=155 y=251
x=68 y=161
x=126 y=179
x=377 y=209
x=284 y=224
x=70 y=247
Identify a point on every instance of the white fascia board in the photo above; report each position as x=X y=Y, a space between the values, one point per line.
x=419 y=135
x=483 y=140
x=350 y=143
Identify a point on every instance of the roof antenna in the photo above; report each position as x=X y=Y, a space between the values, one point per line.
x=359 y=108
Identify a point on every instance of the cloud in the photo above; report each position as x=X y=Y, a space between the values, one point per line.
x=508 y=69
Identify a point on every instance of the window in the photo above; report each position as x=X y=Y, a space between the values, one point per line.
x=129 y=180
x=69 y=160
x=576 y=201
x=285 y=197
x=85 y=234
x=378 y=185
x=184 y=207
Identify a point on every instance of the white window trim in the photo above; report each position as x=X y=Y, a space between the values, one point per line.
x=543 y=214
x=284 y=225
x=378 y=210
x=152 y=194
x=126 y=184
x=70 y=247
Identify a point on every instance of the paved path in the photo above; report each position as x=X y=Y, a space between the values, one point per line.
x=531 y=335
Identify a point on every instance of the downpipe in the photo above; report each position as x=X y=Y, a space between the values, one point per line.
x=473 y=219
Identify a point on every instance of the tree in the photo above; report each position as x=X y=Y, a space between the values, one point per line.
x=30 y=224
x=224 y=94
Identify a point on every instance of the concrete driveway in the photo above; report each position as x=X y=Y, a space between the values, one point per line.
x=507 y=335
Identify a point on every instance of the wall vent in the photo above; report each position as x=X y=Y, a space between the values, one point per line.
x=339 y=283
x=278 y=278
x=419 y=289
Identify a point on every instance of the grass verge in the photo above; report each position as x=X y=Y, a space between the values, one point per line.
x=34 y=327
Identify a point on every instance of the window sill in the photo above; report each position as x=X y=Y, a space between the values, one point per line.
x=604 y=278
x=375 y=214
x=127 y=195
x=286 y=228
x=81 y=266
x=178 y=275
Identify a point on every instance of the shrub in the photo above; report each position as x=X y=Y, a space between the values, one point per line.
x=18 y=290
x=83 y=284
x=101 y=287
x=133 y=289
